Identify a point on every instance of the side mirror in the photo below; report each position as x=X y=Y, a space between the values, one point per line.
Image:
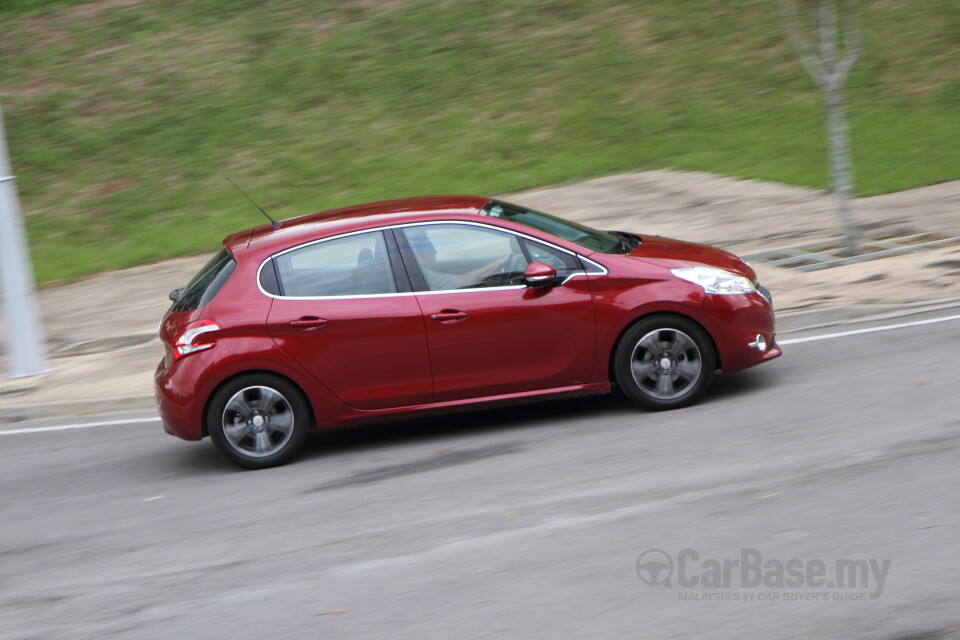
x=175 y=294
x=539 y=274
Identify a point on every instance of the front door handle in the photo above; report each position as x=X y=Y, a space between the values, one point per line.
x=449 y=315
x=308 y=323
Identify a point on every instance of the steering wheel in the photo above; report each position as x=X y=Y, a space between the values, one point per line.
x=508 y=271
x=516 y=263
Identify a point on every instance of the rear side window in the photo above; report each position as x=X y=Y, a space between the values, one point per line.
x=353 y=265
x=207 y=283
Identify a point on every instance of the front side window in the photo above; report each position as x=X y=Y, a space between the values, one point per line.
x=565 y=263
x=458 y=256
x=348 y=266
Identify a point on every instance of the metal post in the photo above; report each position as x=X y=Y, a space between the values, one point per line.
x=24 y=331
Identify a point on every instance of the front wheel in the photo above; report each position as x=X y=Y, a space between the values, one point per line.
x=258 y=420
x=664 y=362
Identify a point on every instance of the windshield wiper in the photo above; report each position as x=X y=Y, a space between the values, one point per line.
x=627 y=241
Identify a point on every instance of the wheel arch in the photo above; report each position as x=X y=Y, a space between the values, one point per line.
x=271 y=372
x=611 y=357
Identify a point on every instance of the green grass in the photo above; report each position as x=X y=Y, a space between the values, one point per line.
x=125 y=116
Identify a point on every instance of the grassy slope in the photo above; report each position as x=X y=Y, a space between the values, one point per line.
x=124 y=116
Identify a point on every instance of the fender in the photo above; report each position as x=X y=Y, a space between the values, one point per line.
x=616 y=313
x=273 y=359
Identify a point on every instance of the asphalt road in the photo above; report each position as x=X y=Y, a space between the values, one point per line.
x=519 y=523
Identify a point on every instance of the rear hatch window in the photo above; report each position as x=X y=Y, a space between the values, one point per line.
x=206 y=284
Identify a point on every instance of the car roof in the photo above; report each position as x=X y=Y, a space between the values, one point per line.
x=358 y=216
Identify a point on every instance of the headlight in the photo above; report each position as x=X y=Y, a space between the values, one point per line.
x=715 y=280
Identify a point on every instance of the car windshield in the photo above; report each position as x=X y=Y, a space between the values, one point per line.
x=602 y=241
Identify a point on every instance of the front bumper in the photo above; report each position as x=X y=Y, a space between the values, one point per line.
x=735 y=322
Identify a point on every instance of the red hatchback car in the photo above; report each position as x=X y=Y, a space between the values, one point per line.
x=438 y=303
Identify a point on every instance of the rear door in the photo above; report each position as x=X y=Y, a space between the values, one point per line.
x=347 y=315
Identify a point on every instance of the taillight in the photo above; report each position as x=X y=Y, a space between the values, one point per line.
x=193 y=338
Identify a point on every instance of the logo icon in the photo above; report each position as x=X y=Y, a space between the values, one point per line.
x=654 y=567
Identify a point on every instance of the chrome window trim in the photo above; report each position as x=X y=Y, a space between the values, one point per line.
x=472 y=289
x=582 y=273
x=603 y=269
x=318 y=241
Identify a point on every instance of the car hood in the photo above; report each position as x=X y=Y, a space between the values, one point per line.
x=668 y=252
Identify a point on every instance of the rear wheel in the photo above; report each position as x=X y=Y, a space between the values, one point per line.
x=664 y=362
x=258 y=420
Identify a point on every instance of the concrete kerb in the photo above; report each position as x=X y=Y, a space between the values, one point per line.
x=76 y=408
x=855 y=313
x=787 y=322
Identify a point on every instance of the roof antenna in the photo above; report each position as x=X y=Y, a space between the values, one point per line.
x=273 y=222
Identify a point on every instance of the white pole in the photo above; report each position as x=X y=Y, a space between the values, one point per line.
x=24 y=331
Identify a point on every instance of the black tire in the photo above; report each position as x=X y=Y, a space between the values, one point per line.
x=664 y=362
x=258 y=420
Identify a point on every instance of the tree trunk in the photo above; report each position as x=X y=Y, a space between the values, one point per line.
x=828 y=59
x=841 y=168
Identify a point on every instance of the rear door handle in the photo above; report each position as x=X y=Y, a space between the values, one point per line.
x=308 y=323
x=449 y=315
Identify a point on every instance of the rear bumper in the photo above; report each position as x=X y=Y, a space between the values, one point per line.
x=175 y=389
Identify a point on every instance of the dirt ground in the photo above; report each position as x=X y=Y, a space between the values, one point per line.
x=749 y=216
x=743 y=216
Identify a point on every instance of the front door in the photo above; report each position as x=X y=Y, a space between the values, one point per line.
x=488 y=333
